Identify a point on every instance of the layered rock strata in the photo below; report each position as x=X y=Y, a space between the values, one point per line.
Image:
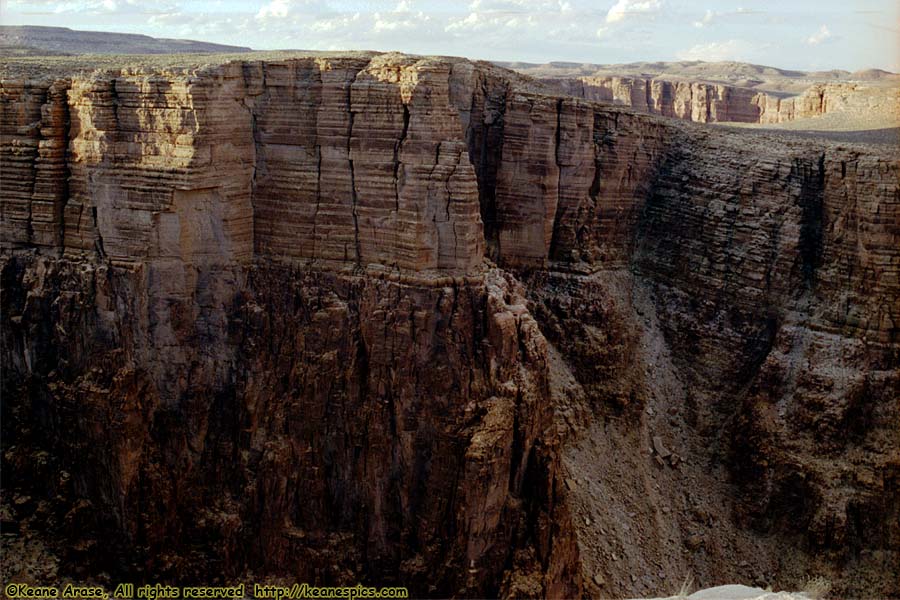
x=404 y=320
x=718 y=103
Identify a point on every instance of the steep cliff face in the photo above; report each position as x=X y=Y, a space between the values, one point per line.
x=825 y=98
x=770 y=271
x=688 y=100
x=404 y=320
x=35 y=171
x=793 y=335
x=718 y=103
x=315 y=425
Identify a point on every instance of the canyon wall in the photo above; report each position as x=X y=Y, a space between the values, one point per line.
x=402 y=320
x=718 y=103
x=688 y=100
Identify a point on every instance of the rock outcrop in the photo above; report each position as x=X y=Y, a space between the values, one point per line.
x=689 y=100
x=703 y=102
x=825 y=98
x=409 y=321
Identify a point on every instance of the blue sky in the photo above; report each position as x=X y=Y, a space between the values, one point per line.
x=800 y=34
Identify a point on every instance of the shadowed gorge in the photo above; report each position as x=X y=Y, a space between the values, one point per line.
x=417 y=321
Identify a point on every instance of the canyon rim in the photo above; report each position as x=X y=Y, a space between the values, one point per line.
x=431 y=322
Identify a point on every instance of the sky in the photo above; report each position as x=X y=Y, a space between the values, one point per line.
x=793 y=34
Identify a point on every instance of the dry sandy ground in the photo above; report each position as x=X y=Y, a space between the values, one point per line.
x=848 y=127
x=872 y=117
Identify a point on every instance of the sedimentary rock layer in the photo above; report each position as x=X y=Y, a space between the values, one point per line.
x=718 y=103
x=398 y=319
x=320 y=426
x=342 y=160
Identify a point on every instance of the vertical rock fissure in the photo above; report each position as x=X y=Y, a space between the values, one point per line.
x=353 y=196
x=315 y=222
x=812 y=182
x=114 y=98
x=557 y=217
x=397 y=148
x=484 y=141
x=648 y=98
x=447 y=205
x=98 y=242
x=437 y=159
x=708 y=105
x=518 y=445
x=580 y=242
x=33 y=175
x=447 y=186
x=60 y=215
x=774 y=243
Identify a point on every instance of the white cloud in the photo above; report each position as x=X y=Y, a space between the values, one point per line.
x=627 y=8
x=528 y=30
x=712 y=16
x=342 y=23
x=277 y=9
x=92 y=7
x=532 y=7
x=505 y=23
x=823 y=35
x=497 y=22
x=471 y=21
x=706 y=20
x=716 y=51
x=398 y=21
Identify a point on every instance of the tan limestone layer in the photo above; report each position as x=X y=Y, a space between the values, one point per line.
x=33 y=177
x=336 y=160
x=719 y=103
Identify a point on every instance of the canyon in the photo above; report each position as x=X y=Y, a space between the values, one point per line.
x=400 y=320
x=733 y=92
x=704 y=102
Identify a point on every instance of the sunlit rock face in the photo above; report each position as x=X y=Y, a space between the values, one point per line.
x=413 y=321
x=703 y=102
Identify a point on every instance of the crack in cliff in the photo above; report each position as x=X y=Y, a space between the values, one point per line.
x=484 y=142
x=811 y=201
x=32 y=172
x=648 y=99
x=447 y=206
x=353 y=194
x=397 y=148
x=98 y=241
x=315 y=224
x=583 y=231
x=67 y=172
x=447 y=186
x=519 y=461
x=558 y=211
x=775 y=230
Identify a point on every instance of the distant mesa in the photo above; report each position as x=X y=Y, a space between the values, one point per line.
x=30 y=40
x=724 y=72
